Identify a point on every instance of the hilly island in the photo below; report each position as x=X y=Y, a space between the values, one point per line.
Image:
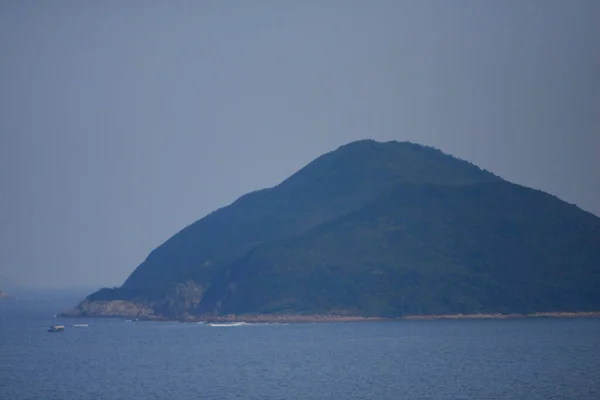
x=378 y=230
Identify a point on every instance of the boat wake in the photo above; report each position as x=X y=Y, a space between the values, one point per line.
x=229 y=324
x=219 y=325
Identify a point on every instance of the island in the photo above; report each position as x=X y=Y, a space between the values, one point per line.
x=371 y=231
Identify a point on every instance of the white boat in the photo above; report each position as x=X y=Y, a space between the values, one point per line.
x=56 y=328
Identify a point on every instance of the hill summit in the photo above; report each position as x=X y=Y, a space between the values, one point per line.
x=372 y=229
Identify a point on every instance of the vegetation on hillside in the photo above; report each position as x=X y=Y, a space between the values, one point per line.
x=330 y=186
x=377 y=229
x=424 y=249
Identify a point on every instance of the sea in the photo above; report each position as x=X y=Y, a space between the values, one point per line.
x=116 y=359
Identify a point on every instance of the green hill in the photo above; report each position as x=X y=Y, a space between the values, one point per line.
x=484 y=248
x=372 y=229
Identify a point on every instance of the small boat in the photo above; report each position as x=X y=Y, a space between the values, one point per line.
x=56 y=328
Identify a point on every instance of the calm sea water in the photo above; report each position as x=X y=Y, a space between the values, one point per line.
x=114 y=359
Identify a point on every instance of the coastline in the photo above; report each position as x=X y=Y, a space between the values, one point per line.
x=145 y=312
x=320 y=318
x=558 y=314
x=285 y=318
x=328 y=318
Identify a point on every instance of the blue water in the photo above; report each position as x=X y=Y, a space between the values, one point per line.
x=114 y=359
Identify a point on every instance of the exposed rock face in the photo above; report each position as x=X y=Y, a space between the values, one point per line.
x=110 y=308
x=181 y=300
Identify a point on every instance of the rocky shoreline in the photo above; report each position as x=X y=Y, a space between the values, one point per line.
x=316 y=318
x=130 y=310
x=286 y=318
x=584 y=314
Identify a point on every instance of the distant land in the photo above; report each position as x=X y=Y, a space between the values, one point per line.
x=369 y=231
x=5 y=296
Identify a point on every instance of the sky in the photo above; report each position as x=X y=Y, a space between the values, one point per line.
x=121 y=122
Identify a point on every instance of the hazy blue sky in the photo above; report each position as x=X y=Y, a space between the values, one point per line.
x=123 y=121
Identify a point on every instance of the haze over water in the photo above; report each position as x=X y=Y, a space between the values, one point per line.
x=113 y=359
